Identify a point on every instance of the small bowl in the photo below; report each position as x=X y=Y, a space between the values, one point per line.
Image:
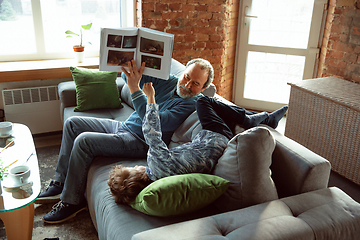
x=5 y=129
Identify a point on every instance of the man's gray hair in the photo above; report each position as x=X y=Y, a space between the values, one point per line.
x=205 y=65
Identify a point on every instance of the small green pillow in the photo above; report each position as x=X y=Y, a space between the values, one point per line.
x=95 y=89
x=179 y=194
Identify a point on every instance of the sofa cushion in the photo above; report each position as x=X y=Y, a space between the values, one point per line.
x=95 y=89
x=246 y=164
x=109 y=113
x=179 y=194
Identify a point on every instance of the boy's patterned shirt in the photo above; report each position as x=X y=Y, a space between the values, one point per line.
x=198 y=156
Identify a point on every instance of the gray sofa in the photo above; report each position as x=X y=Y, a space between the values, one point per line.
x=304 y=208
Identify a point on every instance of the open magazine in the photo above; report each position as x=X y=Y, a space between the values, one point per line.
x=120 y=45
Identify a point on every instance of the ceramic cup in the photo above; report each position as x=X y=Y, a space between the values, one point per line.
x=5 y=129
x=20 y=174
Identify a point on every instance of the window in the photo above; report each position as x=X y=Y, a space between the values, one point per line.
x=35 y=29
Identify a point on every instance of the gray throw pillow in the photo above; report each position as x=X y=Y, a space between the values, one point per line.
x=246 y=164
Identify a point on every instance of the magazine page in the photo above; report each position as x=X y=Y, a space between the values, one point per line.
x=117 y=47
x=155 y=49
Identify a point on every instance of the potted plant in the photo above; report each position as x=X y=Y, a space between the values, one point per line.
x=79 y=48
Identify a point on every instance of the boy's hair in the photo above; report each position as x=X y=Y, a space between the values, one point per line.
x=125 y=185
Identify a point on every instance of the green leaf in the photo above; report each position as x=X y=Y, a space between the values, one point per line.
x=86 y=27
x=71 y=32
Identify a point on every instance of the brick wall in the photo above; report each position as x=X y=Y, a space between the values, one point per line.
x=202 y=28
x=340 y=54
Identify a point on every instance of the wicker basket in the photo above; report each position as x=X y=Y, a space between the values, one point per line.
x=324 y=116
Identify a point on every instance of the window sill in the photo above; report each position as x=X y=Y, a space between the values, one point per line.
x=42 y=69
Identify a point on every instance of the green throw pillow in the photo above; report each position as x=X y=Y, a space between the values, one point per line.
x=179 y=194
x=95 y=89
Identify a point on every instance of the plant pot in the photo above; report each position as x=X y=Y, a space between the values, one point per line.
x=78 y=48
x=79 y=53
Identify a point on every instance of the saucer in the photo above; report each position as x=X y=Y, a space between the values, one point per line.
x=5 y=136
x=9 y=183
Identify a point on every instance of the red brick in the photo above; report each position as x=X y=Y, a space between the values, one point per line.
x=202 y=23
x=148 y=7
x=173 y=15
x=215 y=8
x=357 y=50
x=152 y=15
x=188 y=7
x=191 y=53
x=342 y=47
x=172 y=1
x=149 y=23
x=177 y=54
x=220 y=16
x=209 y=30
x=335 y=54
x=182 y=30
x=215 y=23
x=189 y=22
x=191 y=15
x=205 y=15
x=199 y=45
x=190 y=38
x=214 y=45
x=206 y=52
x=217 y=52
x=201 y=8
x=174 y=22
x=202 y=37
x=160 y=7
x=175 y=6
x=356 y=30
x=350 y=57
x=215 y=38
x=182 y=46
x=179 y=38
x=354 y=68
x=337 y=63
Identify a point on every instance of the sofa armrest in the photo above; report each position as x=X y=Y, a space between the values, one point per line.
x=296 y=169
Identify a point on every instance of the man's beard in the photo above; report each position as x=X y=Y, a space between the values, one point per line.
x=188 y=93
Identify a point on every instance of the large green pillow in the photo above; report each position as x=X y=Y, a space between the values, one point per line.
x=95 y=89
x=179 y=194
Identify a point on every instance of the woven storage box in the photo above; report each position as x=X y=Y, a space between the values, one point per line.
x=324 y=116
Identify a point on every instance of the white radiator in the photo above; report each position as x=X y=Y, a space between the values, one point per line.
x=36 y=107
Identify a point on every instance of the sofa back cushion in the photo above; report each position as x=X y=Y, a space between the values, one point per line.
x=246 y=164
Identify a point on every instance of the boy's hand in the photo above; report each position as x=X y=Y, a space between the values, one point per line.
x=133 y=75
x=149 y=90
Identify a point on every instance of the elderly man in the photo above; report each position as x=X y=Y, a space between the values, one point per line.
x=84 y=137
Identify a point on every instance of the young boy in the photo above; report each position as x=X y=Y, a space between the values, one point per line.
x=198 y=156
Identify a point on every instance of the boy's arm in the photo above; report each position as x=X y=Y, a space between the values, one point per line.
x=158 y=152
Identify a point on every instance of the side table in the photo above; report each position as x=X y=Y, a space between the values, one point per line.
x=17 y=203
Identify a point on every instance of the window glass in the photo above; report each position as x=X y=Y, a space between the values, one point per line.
x=280 y=23
x=16 y=27
x=267 y=75
x=70 y=15
x=35 y=29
